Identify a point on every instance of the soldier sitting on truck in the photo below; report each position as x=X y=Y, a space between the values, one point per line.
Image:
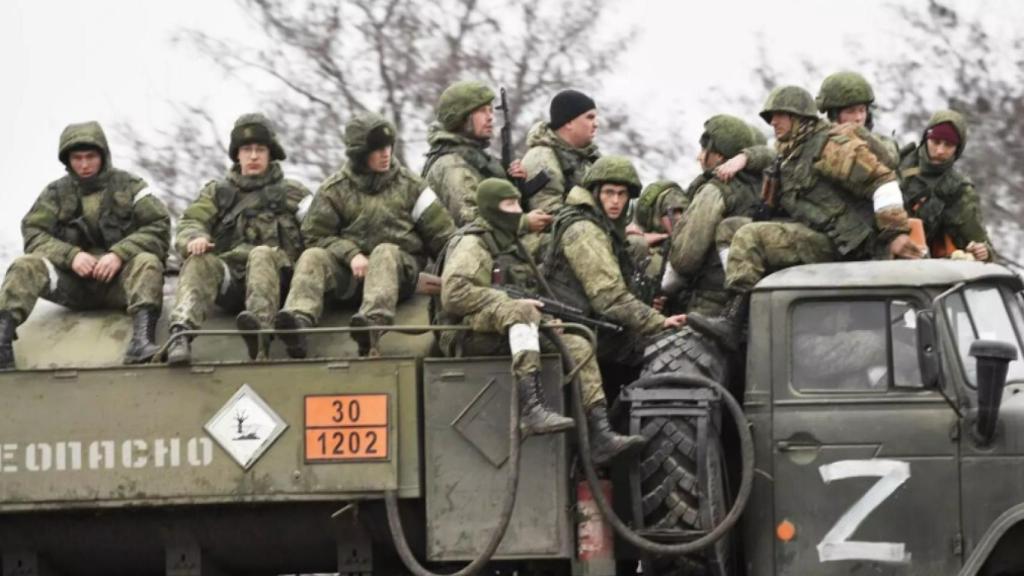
x=942 y=197
x=843 y=202
x=239 y=240
x=370 y=228
x=588 y=265
x=95 y=238
x=480 y=259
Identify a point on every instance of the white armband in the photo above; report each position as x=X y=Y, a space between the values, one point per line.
x=887 y=196
x=425 y=200
x=523 y=338
x=303 y=208
x=142 y=194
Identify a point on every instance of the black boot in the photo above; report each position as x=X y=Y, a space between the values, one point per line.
x=143 y=344
x=7 y=336
x=295 y=344
x=726 y=329
x=179 y=352
x=605 y=444
x=368 y=340
x=254 y=343
x=534 y=415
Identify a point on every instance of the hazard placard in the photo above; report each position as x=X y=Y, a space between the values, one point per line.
x=346 y=427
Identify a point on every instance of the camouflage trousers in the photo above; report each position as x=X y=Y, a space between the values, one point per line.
x=709 y=295
x=390 y=277
x=206 y=280
x=139 y=284
x=494 y=341
x=760 y=248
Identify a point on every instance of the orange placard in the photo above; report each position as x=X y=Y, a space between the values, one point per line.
x=346 y=410
x=344 y=427
x=327 y=444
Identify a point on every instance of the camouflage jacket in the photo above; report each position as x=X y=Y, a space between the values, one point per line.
x=113 y=211
x=588 y=266
x=455 y=166
x=352 y=213
x=564 y=165
x=239 y=213
x=693 y=239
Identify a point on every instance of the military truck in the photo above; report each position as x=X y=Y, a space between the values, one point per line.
x=876 y=435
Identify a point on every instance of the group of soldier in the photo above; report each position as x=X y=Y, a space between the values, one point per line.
x=555 y=225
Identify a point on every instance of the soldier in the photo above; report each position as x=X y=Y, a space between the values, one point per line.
x=371 y=226
x=95 y=238
x=693 y=255
x=489 y=251
x=659 y=206
x=656 y=211
x=937 y=193
x=588 y=265
x=844 y=202
x=846 y=97
x=562 y=148
x=458 y=159
x=239 y=239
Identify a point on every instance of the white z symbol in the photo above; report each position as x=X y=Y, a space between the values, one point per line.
x=835 y=545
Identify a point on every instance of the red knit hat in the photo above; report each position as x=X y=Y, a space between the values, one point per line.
x=945 y=132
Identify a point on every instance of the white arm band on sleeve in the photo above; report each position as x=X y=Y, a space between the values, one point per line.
x=523 y=338
x=425 y=199
x=887 y=196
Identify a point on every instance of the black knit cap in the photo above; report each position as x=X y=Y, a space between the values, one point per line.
x=567 y=105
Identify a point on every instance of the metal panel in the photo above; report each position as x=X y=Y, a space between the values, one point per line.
x=466 y=450
x=134 y=435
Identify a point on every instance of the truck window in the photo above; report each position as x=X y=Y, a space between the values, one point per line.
x=868 y=345
x=979 y=312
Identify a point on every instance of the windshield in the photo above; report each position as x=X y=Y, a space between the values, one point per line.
x=980 y=312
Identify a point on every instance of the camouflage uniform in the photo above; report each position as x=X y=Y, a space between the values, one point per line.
x=253 y=222
x=844 y=89
x=589 y=267
x=113 y=211
x=564 y=165
x=694 y=255
x=393 y=218
x=501 y=323
x=844 y=203
x=942 y=197
x=457 y=162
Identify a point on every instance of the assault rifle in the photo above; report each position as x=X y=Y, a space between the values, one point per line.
x=532 y=186
x=769 y=192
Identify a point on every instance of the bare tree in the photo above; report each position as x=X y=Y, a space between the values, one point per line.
x=331 y=59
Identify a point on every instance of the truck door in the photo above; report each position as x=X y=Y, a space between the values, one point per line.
x=864 y=457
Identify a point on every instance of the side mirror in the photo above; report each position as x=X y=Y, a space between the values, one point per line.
x=993 y=361
x=927 y=354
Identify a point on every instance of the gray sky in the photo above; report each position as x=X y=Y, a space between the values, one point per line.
x=114 y=61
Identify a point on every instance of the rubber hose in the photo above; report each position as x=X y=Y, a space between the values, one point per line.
x=625 y=532
x=509 y=503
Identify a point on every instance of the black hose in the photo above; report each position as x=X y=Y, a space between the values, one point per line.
x=511 y=486
x=625 y=532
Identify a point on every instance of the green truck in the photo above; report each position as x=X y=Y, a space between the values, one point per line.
x=872 y=427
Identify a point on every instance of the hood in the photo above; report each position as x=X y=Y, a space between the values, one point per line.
x=358 y=131
x=84 y=134
x=956 y=119
x=541 y=134
x=438 y=136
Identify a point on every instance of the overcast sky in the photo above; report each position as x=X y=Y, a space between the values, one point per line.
x=114 y=61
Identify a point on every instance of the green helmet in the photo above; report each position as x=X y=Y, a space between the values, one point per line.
x=791 y=99
x=727 y=135
x=614 y=170
x=646 y=206
x=844 y=89
x=459 y=100
x=759 y=138
x=254 y=128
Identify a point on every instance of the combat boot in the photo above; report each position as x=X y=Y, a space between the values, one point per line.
x=295 y=344
x=7 y=336
x=254 y=343
x=605 y=444
x=368 y=340
x=179 y=351
x=143 y=344
x=726 y=329
x=534 y=415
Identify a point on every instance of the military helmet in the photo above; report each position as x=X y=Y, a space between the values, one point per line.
x=844 y=89
x=254 y=128
x=614 y=170
x=365 y=133
x=791 y=99
x=727 y=135
x=459 y=100
x=758 y=136
x=83 y=135
x=645 y=210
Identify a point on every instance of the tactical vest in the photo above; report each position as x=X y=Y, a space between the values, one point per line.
x=742 y=197
x=485 y=164
x=261 y=217
x=825 y=207
x=115 y=220
x=559 y=274
x=928 y=196
x=573 y=167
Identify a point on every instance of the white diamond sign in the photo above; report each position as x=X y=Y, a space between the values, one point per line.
x=245 y=426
